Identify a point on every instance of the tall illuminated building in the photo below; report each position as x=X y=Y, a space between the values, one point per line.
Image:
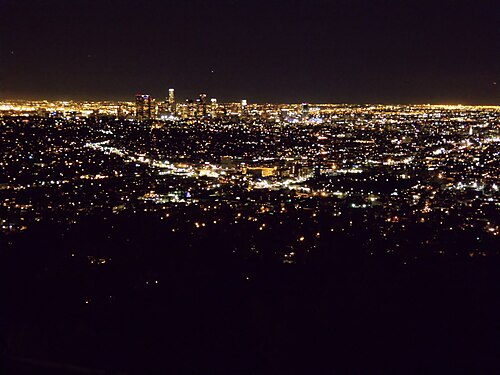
x=305 y=111
x=244 y=105
x=171 y=101
x=213 y=107
x=202 y=102
x=203 y=98
x=142 y=107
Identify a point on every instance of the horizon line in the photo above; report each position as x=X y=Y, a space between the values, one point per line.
x=448 y=104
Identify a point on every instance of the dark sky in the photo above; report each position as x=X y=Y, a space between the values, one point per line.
x=277 y=51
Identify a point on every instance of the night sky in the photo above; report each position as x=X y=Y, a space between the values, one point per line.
x=348 y=51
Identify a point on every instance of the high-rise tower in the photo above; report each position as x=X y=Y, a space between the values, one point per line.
x=142 y=107
x=213 y=107
x=305 y=111
x=171 y=101
x=244 y=107
x=202 y=103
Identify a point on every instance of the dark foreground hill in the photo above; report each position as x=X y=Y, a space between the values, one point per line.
x=160 y=305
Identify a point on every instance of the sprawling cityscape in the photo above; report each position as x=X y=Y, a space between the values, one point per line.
x=406 y=179
x=242 y=209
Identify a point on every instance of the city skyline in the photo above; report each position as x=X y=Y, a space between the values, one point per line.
x=131 y=99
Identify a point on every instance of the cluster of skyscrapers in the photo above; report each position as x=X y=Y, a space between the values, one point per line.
x=147 y=108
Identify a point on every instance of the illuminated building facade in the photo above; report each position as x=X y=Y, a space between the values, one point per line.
x=171 y=101
x=244 y=105
x=305 y=111
x=142 y=107
x=213 y=107
x=202 y=102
